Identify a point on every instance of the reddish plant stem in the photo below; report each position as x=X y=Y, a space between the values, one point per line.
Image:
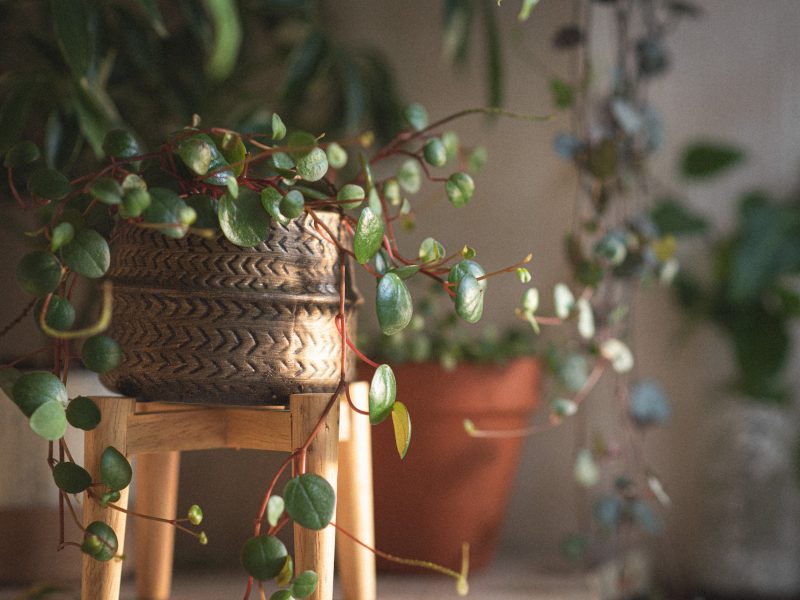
x=13 y=189
x=353 y=407
x=263 y=508
x=18 y=319
x=352 y=346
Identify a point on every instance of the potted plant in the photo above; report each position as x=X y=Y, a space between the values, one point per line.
x=747 y=291
x=446 y=375
x=164 y=226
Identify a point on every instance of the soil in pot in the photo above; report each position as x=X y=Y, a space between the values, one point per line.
x=450 y=488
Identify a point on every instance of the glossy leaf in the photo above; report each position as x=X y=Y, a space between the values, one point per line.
x=460 y=188
x=292 y=204
x=233 y=150
x=243 y=220
x=100 y=542
x=200 y=154
x=401 y=421
x=275 y=508
x=310 y=160
x=409 y=176
x=71 y=478
x=382 y=394
x=21 y=154
x=368 y=235
x=115 y=470
x=61 y=234
x=121 y=144
x=416 y=116
x=393 y=304
x=465 y=267
x=48 y=184
x=32 y=390
x=87 y=254
x=100 y=353
x=83 y=413
x=106 y=190
x=49 y=420
x=351 y=195
x=469 y=299
x=278 y=127
x=304 y=584
x=165 y=208
x=435 y=152
x=431 y=251
x=38 y=273
x=60 y=313
x=263 y=557
x=310 y=501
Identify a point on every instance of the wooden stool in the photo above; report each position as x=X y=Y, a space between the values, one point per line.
x=158 y=432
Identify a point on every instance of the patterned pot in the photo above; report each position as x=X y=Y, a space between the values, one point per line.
x=205 y=321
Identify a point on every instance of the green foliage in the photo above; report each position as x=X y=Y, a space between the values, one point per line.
x=382 y=394
x=71 y=478
x=38 y=273
x=100 y=353
x=368 y=236
x=48 y=184
x=87 y=254
x=310 y=501
x=120 y=143
x=32 y=390
x=115 y=470
x=701 y=160
x=83 y=413
x=49 y=420
x=100 y=542
x=304 y=584
x=460 y=188
x=469 y=299
x=243 y=220
x=275 y=508
x=673 y=218
x=21 y=154
x=393 y=304
x=60 y=312
x=401 y=421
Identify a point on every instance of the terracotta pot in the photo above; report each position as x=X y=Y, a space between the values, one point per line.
x=205 y=321
x=450 y=488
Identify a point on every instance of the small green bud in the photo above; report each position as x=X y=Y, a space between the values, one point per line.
x=195 y=514
x=203 y=538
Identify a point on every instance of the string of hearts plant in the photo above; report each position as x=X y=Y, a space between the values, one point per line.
x=211 y=182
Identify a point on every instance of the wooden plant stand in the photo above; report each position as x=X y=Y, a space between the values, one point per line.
x=157 y=433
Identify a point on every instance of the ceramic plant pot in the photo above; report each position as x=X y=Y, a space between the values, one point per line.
x=451 y=488
x=205 y=321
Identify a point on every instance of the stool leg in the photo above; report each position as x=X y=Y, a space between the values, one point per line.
x=156 y=495
x=100 y=580
x=354 y=510
x=314 y=550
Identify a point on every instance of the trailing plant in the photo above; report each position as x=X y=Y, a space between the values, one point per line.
x=210 y=181
x=616 y=248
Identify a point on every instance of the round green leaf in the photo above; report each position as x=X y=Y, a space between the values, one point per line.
x=60 y=313
x=278 y=127
x=435 y=152
x=451 y=144
x=282 y=595
x=165 y=208
x=391 y=191
x=271 y=202
x=106 y=190
x=431 y=251
x=195 y=514
x=409 y=176
x=304 y=584
x=21 y=154
x=101 y=353
x=351 y=196
x=197 y=152
x=459 y=187
x=337 y=156
x=243 y=220
x=393 y=304
x=32 y=390
x=48 y=184
x=292 y=204
x=401 y=421
x=100 y=541
x=49 y=420
x=87 y=254
x=465 y=267
x=469 y=299
x=83 y=413
x=310 y=501
x=368 y=236
x=71 y=478
x=382 y=394
x=233 y=150
x=134 y=203
x=263 y=557
x=416 y=116
x=310 y=160
x=115 y=470
x=275 y=508
x=39 y=272
x=205 y=207
x=121 y=144
x=62 y=234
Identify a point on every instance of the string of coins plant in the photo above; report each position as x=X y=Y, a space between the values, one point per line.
x=203 y=181
x=621 y=243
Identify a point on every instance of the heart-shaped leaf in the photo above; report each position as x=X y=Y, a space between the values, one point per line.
x=243 y=220
x=32 y=390
x=310 y=501
x=49 y=420
x=87 y=254
x=71 y=478
x=382 y=394
x=393 y=304
x=401 y=421
x=368 y=236
x=61 y=234
x=115 y=470
x=39 y=272
x=83 y=413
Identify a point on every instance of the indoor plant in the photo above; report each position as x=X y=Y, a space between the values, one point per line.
x=196 y=181
x=445 y=375
x=750 y=540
